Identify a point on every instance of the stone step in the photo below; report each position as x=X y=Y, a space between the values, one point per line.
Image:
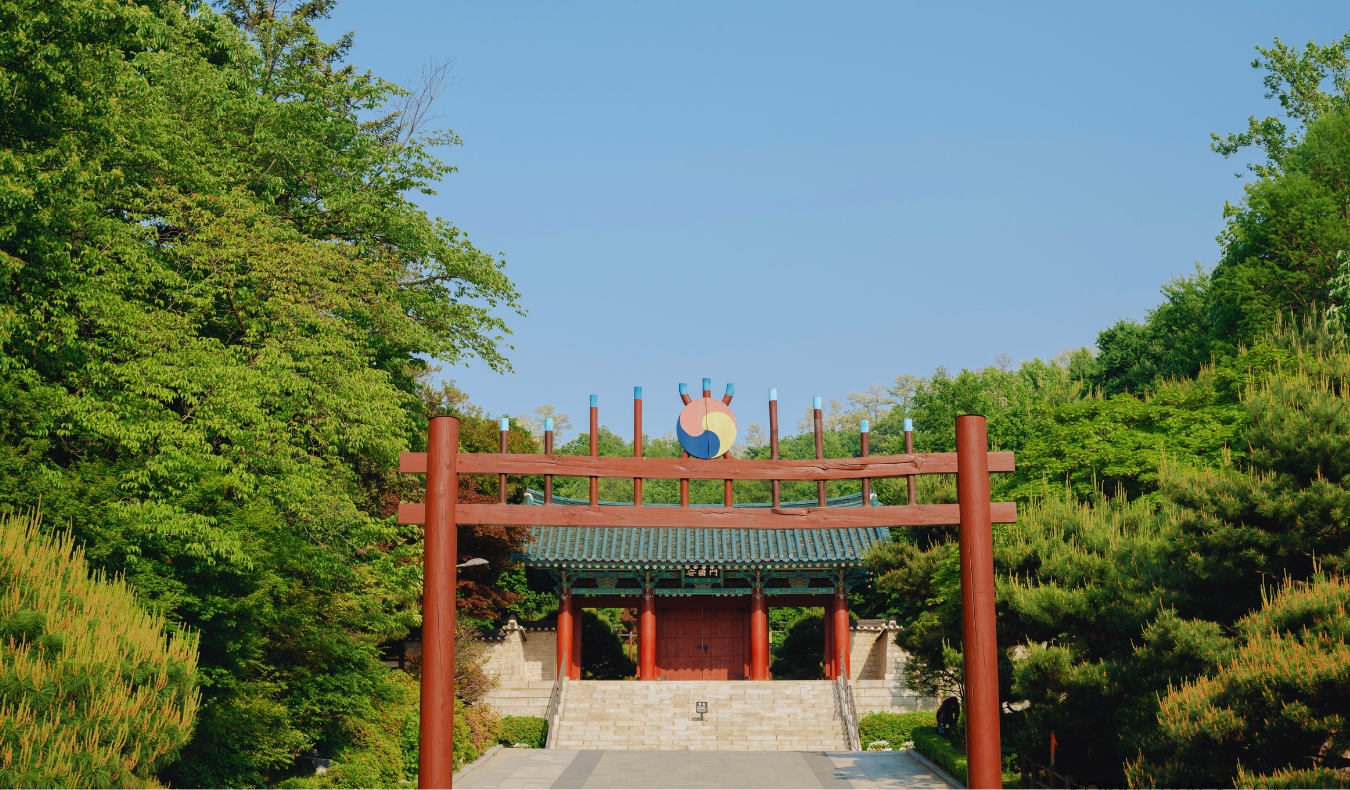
x=742 y=715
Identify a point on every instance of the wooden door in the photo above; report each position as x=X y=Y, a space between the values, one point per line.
x=697 y=641
x=724 y=642
x=678 y=639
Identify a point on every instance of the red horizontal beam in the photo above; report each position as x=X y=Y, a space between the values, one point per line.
x=698 y=469
x=666 y=596
x=708 y=517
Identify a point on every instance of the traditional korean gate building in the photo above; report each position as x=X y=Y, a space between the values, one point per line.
x=702 y=578
x=702 y=594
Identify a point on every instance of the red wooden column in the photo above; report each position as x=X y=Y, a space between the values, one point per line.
x=775 y=486
x=637 y=443
x=978 y=630
x=435 y=760
x=575 y=669
x=909 y=450
x=565 y=627
x=819 y=427
x=759 y=635
x=842 y=642
x=595 y=446
x=829 y=638
x=647 y=635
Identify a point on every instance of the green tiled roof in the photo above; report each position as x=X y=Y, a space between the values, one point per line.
x=593 y=546
x=685 y=546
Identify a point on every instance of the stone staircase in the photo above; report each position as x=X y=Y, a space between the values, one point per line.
x=780 y=715
x=520 y=697
x=888 y=696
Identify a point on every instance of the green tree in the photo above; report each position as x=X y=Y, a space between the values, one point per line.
x=1116 y=443
x=602 y=654
x=1281 y=242
x=801 y=654
x=1105 y=604
x=1172 y=343
x=1281 y=511
x=217 y=300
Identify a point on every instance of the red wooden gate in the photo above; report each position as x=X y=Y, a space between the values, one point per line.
x=442 y=515
x=701 y=641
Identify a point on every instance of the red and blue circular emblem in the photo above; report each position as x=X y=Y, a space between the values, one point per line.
x=706 y=428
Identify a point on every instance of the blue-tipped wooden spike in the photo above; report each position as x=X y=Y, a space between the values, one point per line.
x=684 y=388
x=864 y=426
x=773 y=393
x=815 y=402
x=506 y=423
x=637 y=393
x=595 y=401
x=909 y=425
x=548 y=423
x=707 y=384
x=731 y=389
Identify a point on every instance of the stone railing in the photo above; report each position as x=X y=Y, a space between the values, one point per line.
x=848 y=713
x=555 y=702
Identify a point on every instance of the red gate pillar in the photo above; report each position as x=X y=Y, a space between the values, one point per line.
x=575 y=671
x=842 y=643
x=828 y=622
x=978 y=631
x=759 y=636
x=435 y=758
x=647 y=635
x=565 y=627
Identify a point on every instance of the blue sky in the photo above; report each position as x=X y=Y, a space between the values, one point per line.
x=818 y=197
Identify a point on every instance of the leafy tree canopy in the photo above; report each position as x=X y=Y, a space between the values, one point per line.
x=216 y=300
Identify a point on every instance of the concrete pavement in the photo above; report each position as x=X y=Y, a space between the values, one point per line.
x=590 y=768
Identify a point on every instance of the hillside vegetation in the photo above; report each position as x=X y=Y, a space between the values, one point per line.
x=218 y=303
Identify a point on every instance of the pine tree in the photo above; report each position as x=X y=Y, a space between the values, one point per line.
x=94 y=690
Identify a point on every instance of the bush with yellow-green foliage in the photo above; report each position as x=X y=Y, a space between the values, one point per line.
x=95 y=691
x=1275 y=713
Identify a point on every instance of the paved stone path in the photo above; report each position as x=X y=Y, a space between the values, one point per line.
x=567 y=768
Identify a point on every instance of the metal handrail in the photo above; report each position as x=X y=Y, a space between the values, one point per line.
x=555 y=701
x=1036 y=775
x=848 y=712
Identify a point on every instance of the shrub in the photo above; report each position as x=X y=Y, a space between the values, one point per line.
x=529 y=730
x=384 y=749
x=472 y=684
x=942 y=752
x=465 y=752
x=1274 y=713
x=894 y=728
x=949 y=754
x=93 y=691
x=476 y=728
x=485 y=724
